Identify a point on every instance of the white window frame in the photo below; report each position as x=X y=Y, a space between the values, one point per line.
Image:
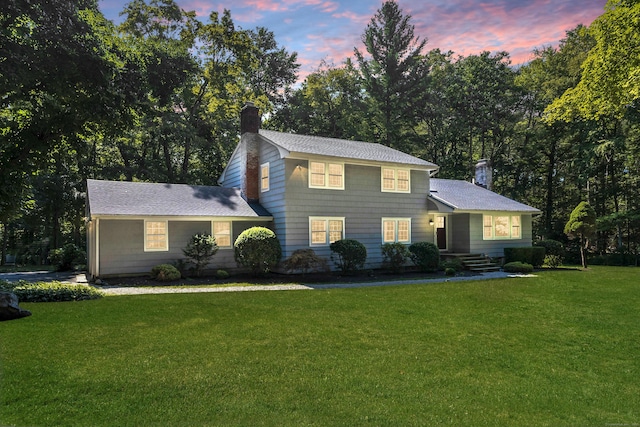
x=327 y=220
x=265 y=177
x=395 y=180
x=326 y=168
x=396 y=222
x=216 y=235
x=147 y=234
x=512 y=227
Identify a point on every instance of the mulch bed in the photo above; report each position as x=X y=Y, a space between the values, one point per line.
x=276 y=278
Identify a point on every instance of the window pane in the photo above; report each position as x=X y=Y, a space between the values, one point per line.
x=515 y=227
x=335 y=175
x=317 y=174
x=403 y=180
x=222 y=233
x=318 y=232
x=488 y=226
x=388 y=179
x=156 y=235
x=265 y=177
x=502 y=226
x=335 y=231
x=403 y=231
x=389 y=231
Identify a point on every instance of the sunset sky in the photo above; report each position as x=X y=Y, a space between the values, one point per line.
x=330 y=29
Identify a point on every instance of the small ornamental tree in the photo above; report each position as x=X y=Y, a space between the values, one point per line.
x=258 y=249
x=200 y=249
x=351 y=255
x=582 y=225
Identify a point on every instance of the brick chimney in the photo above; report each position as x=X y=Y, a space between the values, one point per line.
x=249 y=126
x=249 y=119
x=484 y=174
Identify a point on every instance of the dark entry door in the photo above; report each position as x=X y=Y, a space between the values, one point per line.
x=441 y=232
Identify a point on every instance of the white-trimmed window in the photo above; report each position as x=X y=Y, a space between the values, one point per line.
x=325 y=230
x=326 y=175
x=222 y=233
x=156 y=236
x=396 y=180
x=496 y=227
x=396 y=230
x=264 y=177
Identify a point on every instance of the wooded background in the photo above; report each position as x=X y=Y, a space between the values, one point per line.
x=157 y=98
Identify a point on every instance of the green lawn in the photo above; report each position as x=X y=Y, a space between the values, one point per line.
x=561 y=349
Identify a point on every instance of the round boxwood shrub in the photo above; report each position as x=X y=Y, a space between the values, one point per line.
x=517 y=267
x=165 y=273
x=258 y=249
x=351 y=254
x=425 y=255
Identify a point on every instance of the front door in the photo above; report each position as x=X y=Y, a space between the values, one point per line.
x=441 y=232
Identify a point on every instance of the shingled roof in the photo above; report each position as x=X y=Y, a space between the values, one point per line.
x=465 y=196
x=123 y=198
x=333 y=147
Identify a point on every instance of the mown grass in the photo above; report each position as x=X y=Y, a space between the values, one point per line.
x=560 y=349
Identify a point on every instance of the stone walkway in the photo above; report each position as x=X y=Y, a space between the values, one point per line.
x=133 y=290
x=114 y=290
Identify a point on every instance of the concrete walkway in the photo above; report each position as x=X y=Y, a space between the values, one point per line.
x=37 y=276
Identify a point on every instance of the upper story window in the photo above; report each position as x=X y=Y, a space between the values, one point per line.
x=156 y=236
x=497 y=227
x=396 y=180
x=264 y=177
x=326 y=175
x=325 y=230
x=222 y=233
x=396 y=230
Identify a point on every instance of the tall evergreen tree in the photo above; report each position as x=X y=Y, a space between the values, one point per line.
x=394 y=73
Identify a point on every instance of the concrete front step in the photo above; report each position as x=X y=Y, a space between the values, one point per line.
x=477 y=262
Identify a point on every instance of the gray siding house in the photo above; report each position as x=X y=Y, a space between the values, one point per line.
x=311 y=191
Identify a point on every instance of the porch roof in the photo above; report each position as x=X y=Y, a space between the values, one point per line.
x=464 y=196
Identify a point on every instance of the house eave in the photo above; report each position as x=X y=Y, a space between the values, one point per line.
x=185 y=218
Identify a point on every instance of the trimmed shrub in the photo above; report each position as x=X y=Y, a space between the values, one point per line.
x=258 y=249
x=425 y=255
x=50 y=291
x=165 y=273
x=67 y=257
x=222 y=274
x=351 y=255
x=552 y=261
x=305 y=260
x=533 y=255
x=200 y=249
x=453 y=263
x=554 y=252
x=450 y=271
x=394 y=256
x=518 y=267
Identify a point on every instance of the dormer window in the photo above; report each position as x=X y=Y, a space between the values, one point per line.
x=396 y=180
x=326 y=175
